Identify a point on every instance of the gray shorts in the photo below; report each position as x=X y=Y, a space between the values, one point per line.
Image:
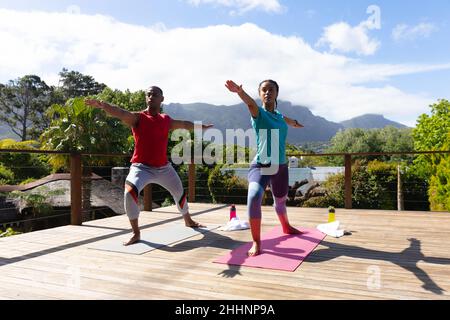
x=140 y=175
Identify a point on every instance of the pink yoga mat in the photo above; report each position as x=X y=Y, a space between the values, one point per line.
x=279 y=251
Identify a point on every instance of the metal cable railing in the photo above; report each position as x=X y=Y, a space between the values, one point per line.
x=195 y=180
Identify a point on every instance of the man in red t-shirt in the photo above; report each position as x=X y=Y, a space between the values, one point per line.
x=149 y=162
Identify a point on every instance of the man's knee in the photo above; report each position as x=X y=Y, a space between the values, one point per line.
x=132 y=191
x=131 y=196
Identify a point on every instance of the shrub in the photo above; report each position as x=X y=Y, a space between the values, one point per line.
x=9 y=232
x=6 y=175
x=24 y=165
x=227 y=188
x=439 y=191
x=374 y=186
x=317 y=202
x=36 y=200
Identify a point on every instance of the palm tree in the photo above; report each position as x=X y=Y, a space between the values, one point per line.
x=76 y=128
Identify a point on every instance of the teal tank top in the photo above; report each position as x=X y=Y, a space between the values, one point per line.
x=263 y=126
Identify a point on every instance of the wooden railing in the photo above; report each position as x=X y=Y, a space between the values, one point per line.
x=76 y=175
x=348 y=165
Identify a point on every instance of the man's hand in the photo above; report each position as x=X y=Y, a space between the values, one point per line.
x=94 y=103
x=188 y=125
x=207 y=126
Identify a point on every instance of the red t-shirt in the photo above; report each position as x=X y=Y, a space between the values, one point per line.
x=151 y=137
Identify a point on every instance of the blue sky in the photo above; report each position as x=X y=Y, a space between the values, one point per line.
x=322 y=49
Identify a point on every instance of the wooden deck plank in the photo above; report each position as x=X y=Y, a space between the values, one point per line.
x=40 y=264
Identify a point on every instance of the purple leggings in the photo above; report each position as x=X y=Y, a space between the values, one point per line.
x=257 y=183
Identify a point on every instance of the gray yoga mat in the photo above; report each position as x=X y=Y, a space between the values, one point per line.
x=151 y=239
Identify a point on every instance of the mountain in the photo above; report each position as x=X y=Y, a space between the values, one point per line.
x=371 y=121
x=237 y=117
x=317 y=129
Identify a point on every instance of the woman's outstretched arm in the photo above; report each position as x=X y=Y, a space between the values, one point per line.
x=251 y=104
x=292 y=122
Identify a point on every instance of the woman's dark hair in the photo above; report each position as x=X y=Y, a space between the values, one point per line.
x=276 y=86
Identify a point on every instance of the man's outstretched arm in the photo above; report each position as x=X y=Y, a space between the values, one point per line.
x=181 y=124
x=129 y=118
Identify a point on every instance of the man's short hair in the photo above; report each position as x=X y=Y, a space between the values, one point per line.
x=153 y=88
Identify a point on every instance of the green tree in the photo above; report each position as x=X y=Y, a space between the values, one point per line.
x=439 y=190
x=74 y=84
x=430 y=134
x=131 y=101
x=23 y=103
x=78 y=128
x=355 y=140
x=396 y=140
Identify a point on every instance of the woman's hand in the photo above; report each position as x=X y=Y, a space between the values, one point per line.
x=293 y=123
x=233 y=87
x=251 y=104
x=296 y=124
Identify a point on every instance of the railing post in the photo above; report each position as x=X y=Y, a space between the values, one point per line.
x=75 y=189
x=348 y=181
x=148 y=198
x=400 y=203
x=191 y=183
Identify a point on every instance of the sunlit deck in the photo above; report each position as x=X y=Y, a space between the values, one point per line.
x=390 y=255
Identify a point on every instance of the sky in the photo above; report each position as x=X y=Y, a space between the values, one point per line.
x=341 y=59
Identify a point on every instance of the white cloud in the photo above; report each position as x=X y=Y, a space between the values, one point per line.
x=191 y=65
x=345 y=38
x=243 y=6
x=406 y=32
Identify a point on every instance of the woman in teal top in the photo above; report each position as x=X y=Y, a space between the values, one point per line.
x=269 y=165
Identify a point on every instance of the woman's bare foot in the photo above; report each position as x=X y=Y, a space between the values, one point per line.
x=291 y=230
x=135 y=238
x=255 y=249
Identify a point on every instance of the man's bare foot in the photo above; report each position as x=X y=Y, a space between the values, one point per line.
x=255 y=249
x=135 y=238
x=191 y=223
x=291 y=230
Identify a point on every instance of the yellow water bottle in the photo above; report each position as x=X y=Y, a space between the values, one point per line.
x=331 y=214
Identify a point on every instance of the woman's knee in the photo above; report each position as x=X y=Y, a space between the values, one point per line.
x=280 y=205
x=254 y=200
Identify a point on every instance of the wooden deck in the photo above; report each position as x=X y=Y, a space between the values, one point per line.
x=390 y=255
